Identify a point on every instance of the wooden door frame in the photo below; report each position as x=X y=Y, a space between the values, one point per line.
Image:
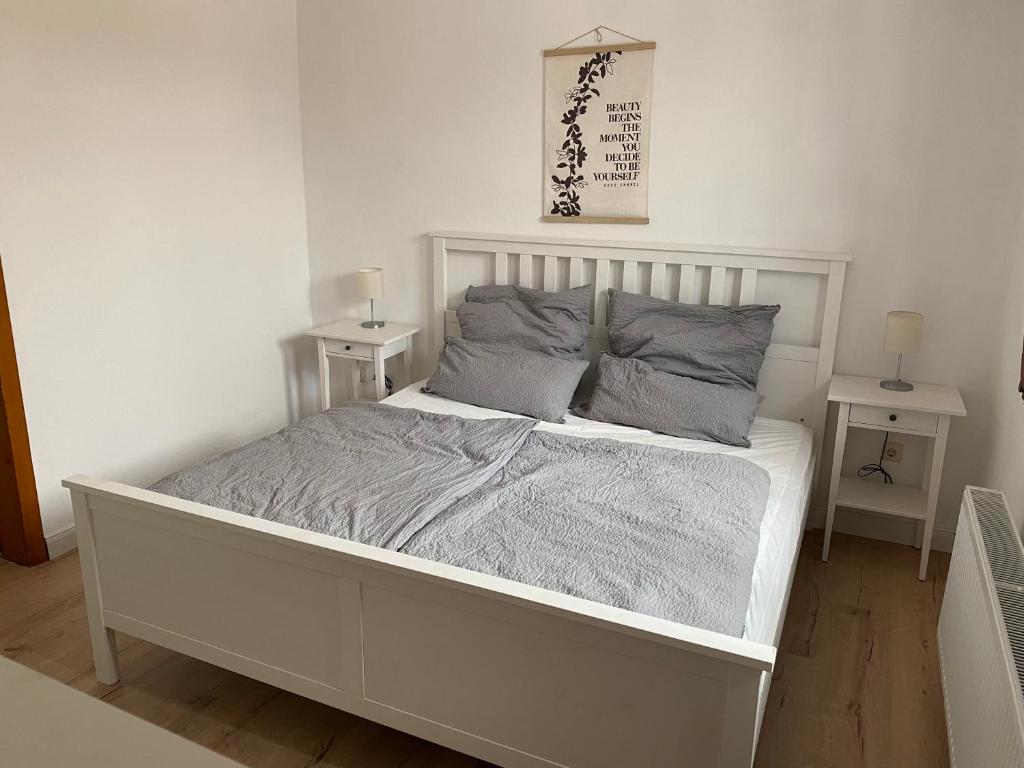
x=21 y=528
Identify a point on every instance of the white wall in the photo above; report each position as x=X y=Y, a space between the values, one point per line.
x=152 y=231
x=151 y=190
x=1005 y=459
x=886 y=129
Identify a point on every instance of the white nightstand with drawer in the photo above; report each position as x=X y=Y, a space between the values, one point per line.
x=924 y=411
x=348 y=340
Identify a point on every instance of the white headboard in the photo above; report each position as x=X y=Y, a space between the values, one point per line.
x=808 y=285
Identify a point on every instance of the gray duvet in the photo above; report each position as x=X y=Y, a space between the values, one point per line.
x=667 y=533
x=366 y=472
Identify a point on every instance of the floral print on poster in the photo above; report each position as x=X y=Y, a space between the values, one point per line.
x=597 y=108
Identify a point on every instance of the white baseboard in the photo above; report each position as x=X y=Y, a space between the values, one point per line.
x=898 y=530
x=61 y=542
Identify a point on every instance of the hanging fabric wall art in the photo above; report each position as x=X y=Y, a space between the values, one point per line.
x=597 y=132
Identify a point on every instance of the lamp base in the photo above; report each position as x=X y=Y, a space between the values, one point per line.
x=896 y=385
x=372 y=324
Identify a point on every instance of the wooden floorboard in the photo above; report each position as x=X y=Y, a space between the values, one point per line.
x=856 y=684
x=857 y=680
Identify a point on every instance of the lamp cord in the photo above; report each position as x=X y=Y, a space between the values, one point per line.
x=869 y=469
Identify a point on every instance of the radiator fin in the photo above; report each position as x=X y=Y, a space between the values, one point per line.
x=981 y=637
x=1002 y=545
x=1003 y=552
x=1011 y=599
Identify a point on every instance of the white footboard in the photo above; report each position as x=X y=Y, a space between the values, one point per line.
x=508 y=673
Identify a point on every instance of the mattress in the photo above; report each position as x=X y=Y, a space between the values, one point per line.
x=782 y=448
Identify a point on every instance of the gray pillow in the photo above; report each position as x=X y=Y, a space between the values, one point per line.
x=720 y=345
x=506 y=378
x=631 y=392
x=553 y=323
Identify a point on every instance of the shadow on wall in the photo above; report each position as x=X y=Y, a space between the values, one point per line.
x=299 y=365
x=342 y=294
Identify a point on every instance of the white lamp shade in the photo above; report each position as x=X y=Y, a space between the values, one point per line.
x=371 y=282
x=903 y=332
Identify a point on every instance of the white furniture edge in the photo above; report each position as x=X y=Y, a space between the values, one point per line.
x=385 y=342
x=874 y=525
x=941 y=400
x=646 y=246
x=942 y=538
x=234 y=591
x=512 y=674
x=349 y=329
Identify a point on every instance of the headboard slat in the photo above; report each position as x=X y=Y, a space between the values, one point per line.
x=601 y=269
x=687 y=282
x=525 y=270
x=658 y=281
x=629 y=276
x=716 y=286
x=550 y=273
x=748 y=286
x=575 y=272
x=501 y=268
x=440 y=291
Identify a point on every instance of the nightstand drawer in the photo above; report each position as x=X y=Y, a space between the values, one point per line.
x=891 y=418
x=352 y=349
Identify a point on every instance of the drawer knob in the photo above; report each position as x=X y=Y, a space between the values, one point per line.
x=349 y=346
x=892 y=417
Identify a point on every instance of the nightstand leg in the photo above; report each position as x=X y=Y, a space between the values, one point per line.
x=837 y=471
x=378 y=372
x=325 y=374
x=925 y=484
x=934 y=478
x=407 y=363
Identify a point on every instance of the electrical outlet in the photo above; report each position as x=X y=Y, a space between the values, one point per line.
x=894 y=452
x=365 y=374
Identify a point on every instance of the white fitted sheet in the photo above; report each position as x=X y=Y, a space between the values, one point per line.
x=782 y=448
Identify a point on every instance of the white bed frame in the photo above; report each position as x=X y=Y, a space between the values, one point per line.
x=512 y=674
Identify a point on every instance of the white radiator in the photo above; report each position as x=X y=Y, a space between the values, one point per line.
x=981 y=637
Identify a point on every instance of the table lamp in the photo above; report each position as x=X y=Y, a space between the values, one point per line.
x=903 y=336
x=371 y=286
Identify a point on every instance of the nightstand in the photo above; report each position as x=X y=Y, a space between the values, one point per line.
x=925 y=411
x=348 y=340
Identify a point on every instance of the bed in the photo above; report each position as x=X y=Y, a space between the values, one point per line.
x=783 y=448
x=513 y=674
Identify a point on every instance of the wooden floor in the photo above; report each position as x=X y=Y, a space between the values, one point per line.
x=857 y=683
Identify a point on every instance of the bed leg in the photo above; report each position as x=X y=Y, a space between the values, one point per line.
x=742 y=704
x=104 y=643
x=104 y=654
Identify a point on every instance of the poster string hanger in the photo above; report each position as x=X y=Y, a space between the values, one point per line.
x=597 y=31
